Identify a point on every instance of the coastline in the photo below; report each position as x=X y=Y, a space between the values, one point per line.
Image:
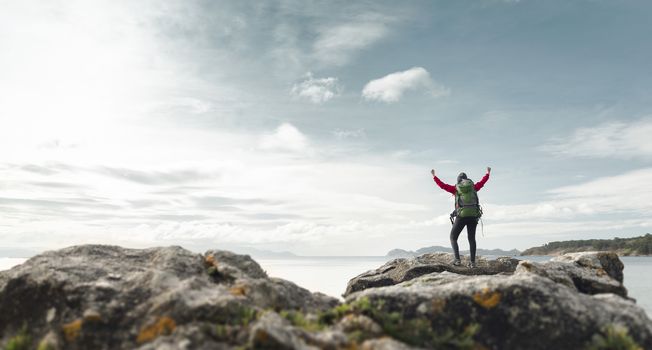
x=562 y=252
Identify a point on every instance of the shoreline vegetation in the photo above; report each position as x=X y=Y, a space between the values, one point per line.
x=635 y=246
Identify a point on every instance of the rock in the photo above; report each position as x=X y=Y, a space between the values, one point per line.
x=273 y=332
x=107 y=297
x=276 y=293
x=606 y=261
x=571 y=302
x=385 y=343
x=517 y=311
x=241 y=265
x=352 y=323
x=404 y=269
x=589 y=273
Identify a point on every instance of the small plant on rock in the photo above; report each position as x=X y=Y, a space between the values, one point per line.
x=298 y=319
x=613 y=338
x=21 y=341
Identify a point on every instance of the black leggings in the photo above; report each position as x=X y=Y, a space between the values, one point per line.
x=471 y=223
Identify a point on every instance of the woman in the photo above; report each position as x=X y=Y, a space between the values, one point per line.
x=471 y=222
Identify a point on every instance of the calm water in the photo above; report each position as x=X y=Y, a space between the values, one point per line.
x=329 y=275
x=7 y=263
x=638 y=280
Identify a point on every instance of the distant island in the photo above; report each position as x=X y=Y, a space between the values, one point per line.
x=266 y=254
x=622 y=246
x=401 y=253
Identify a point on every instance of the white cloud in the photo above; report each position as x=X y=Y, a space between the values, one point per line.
x=285 y=138
x=192 y=105
x=336 y=45
x=391 y=87
x=627 y=195
x=218 y=191
x=317 y=90
x=612 y=139
x=342 y=134
x=304 y=203
x=563 y=230
x=629 y=192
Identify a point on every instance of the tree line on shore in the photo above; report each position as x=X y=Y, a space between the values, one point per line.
x=641 y=245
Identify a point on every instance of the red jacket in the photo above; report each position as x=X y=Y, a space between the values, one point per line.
x=451 y=189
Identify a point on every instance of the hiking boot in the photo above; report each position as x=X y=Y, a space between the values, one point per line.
x=472 y=265
x=457 y=262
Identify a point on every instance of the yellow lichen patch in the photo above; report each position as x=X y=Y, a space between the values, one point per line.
x=163 y=326
x=601 y=272
x=72 y=330
x=438 y=305
x=486 y=298
x=210 y=261
x=352 y=346
x=527 y=265
x=239 y=290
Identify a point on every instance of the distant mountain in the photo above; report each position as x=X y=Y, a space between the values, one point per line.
x=400 y=253
x=641 y=245
x=266 y=254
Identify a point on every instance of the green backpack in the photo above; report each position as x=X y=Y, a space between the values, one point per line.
x=466 y=200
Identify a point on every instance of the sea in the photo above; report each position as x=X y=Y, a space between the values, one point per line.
x=330 y=275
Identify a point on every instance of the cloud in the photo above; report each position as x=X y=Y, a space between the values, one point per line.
x=285 y=138
x=391 y=87
x=190 y=104
x=231 y=203
x=342 y=134
x=221 y=195
x=174 y=176
x=564 y=230
x=336 y=45
x=626 y=195
x=607 y=140
x=317 y=90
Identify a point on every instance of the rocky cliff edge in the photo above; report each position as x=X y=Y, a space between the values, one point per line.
x=107 y=297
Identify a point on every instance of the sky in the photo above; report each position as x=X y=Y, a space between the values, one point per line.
x=312 y=126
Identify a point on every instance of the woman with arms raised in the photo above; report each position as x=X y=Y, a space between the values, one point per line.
x=467 y=210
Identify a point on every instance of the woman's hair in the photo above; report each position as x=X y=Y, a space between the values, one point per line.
x=460 y=177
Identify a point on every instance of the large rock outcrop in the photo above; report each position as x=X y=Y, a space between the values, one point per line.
x=405 y=269
x=575 y=301
x=107 y=297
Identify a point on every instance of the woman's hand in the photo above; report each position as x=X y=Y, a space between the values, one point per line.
x=488 y=169
x=432 y=172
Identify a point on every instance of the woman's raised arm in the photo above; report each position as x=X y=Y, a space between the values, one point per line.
x=444 y=186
